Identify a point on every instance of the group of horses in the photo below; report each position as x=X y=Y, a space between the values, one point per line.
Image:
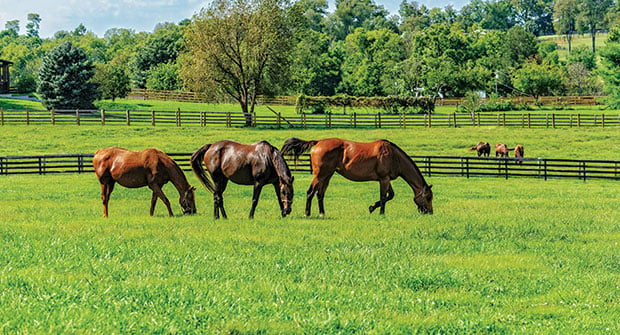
x=260 y=164
x=501 y=150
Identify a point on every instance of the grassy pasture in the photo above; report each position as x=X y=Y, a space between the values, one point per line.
x=498 y=256
x=517 y=256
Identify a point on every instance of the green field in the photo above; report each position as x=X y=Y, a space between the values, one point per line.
x=498 y=256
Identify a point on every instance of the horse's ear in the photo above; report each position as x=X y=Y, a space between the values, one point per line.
x=430 y=186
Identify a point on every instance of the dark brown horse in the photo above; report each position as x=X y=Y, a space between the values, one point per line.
x=519 y=153
x=134 y=169
x=255 y=164
x=483 y=148
x=380 y=160
x=501 y=150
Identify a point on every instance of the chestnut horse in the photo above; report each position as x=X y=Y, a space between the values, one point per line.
x=255 y=164
x=483 y=148
x=134 y=169
x=380 y=160
x=519 y=153
x=501 y=150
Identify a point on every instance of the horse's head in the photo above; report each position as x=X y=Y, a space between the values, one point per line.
x=188 y=202
x=424 y=200
x=286 y=195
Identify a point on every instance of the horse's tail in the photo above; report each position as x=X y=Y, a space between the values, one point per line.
x=199 y=170
x=296 y=146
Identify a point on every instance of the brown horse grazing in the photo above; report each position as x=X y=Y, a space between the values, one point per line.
x=380 y=160
x=483 y=148
x=134 y=169
x=501 y=150
x=255 y=164
x=519 y=153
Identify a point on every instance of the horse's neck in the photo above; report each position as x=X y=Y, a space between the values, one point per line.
x=284 y=174
x=410 y=172
x=177 y=177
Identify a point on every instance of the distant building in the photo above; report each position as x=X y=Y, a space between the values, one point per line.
x=5 y=78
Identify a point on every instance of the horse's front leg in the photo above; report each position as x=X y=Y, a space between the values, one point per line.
x=157 y=192
x=257 y=189
x=386 y=193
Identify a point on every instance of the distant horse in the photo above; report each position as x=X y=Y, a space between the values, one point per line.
x=380 y=160
x=255 y=164
x=519 y=153
x=501 y=150
x=134 y=169
x=483 y=148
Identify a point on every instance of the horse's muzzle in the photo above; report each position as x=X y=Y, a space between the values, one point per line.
x=286 y=211
x=189 y=211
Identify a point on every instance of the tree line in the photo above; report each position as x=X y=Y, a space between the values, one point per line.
x=242 y=49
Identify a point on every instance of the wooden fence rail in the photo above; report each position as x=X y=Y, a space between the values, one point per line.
x=352 y=120
x=292 y=100
x=429 y=165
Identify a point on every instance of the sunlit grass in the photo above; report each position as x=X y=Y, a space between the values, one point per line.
x=497 y=256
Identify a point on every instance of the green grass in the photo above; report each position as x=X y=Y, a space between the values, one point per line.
x=516 y=256
x=498 y=256
x=577 y=143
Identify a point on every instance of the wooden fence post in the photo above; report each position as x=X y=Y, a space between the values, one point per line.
x=178 y=117
x=128 y=117
x=578 y=120
x=529 y=120
x=553 y=120
x=77 y=117
x=379 y=119
x=228 y=120
x=1 y=116
x=354 y=119
x=603 y=120
x=279 y=120
x=103 y=117
x=27 y=117
x=303 y=120
x=53 y=116
x=454 y=119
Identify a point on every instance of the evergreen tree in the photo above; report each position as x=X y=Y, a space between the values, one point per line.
x=65 y=78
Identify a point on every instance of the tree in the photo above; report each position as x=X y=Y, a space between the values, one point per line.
x=112 y=80
x=538 y=79
x=370 y=59
x=315 y=65
x=64 y=78
x=610 y=69
x=592 y=15
x=164 y=76
x=239 y=48
x=32 y=28
x=160 y=47
x=565 y=19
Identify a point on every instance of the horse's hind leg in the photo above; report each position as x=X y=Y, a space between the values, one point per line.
x=218 y=198
x=106 y=189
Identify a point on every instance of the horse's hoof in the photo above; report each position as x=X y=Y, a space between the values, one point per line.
x=371 y=209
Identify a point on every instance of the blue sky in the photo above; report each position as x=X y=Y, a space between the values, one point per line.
x=100 y=15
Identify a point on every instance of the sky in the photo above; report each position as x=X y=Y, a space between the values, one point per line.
x=140 y=15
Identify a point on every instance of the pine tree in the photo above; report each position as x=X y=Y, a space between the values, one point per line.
x=64 y=79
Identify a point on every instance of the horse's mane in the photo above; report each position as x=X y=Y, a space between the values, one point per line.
x=408 y=158
x=279 y=163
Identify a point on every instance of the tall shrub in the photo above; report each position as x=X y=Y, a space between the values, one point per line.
x=64 y=79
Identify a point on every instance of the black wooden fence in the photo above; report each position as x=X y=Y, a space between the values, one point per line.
x=429 y=165
x=352 y=120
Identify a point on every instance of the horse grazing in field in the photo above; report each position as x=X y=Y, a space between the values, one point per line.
x=483 y=148
x=501 y=150
x=519 y=153
x=134 y=169
x=380 y=160
x=255 y=164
